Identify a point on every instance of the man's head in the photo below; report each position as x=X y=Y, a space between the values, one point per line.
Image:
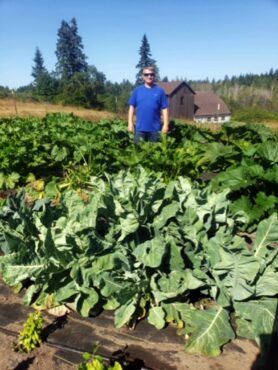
x=149 y=75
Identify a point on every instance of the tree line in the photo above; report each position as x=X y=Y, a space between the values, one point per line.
x=257 y=91
x=75 y=82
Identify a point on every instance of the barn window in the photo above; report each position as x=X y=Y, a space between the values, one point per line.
x=181 y=100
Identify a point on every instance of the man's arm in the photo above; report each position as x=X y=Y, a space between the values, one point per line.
x=165 y=117
x=130 y=118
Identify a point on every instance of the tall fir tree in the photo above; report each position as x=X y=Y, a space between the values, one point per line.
x=145 y=60
x=38 y=67
x=69 y=51
x=44 y=86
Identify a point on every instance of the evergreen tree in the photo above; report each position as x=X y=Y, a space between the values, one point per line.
x=97 y=80
x=78 y=90
x=44 y=86
x=79 y=63
x=70 y=56
x=145 y=60
x=4 y=92
x=38 y=68
x=116 y=95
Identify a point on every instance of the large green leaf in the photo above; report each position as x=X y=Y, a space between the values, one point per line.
x=176 y=258
x=244 y=328
x=151 y=252
x=109 y=285
x=167 y=212
x=238 y=178
x=11 y=180
x=232 y=178
x=124 y=314
x=67 y=291
x=214 y=151
x=156 y=317
x=267 y=284
x=104 y=263
x=237 y=271
x=176 y=311
x=30 y=292
x=174 y=284
x=59 y=153
x=269 y=151
x=11 y=240
x=88 y=216
x=129 y=224
x=260 y=315
x=87 y=300
x=14 y=274
x=267 y=233
x=211 y=329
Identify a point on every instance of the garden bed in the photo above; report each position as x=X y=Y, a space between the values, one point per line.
x=186 y=242
x=144 y=348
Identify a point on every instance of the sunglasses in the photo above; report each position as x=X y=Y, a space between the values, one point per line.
x=148 y=74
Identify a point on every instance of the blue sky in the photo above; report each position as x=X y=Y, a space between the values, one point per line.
x=188 y=39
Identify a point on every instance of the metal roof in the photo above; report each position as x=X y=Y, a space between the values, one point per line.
x=209 y=104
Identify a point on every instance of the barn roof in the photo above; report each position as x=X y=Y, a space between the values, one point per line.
x=171 y=87
x=209 y=104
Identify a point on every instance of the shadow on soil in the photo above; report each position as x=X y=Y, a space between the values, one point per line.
x=24 y=365
x=122 y=356
x=58 y=323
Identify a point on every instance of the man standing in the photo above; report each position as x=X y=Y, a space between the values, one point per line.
x=149 y=100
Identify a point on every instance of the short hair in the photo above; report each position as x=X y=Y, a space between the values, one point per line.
x=150 y=68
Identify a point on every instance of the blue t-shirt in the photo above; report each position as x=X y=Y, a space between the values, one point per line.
x=148 y=102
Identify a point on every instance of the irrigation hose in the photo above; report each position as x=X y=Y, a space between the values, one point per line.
x=68 y=348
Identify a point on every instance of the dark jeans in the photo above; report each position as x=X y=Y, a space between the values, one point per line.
x=153 y=136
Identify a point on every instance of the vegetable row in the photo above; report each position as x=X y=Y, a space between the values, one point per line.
x=169 y=252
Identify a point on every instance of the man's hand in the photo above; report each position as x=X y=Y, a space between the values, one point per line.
x=165 y=115
x=165 y=129
x=130 y=127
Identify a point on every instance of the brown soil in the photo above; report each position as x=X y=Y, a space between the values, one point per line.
x=43 y=358
x=239 y=354
x=159 y=350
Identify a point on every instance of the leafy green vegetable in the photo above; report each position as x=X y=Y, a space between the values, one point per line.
x=145 y=249
x=267 y=233
x=212 y=329
x=31 y=335
x=156 y=317
x=259 y=315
